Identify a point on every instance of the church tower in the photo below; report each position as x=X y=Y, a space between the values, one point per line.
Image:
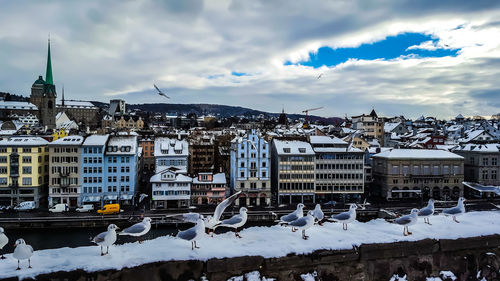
x=43 y=95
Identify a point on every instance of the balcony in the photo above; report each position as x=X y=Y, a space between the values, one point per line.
x=64 y=174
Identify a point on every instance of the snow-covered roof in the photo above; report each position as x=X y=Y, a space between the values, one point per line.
x=284 y=147
x=178 y=177
x=77 y=104
x=325 y=140
x=69 y=140
x=219 y=178
x=119 y=145
x=99 y=140
x=336 y=149
x=417 y=154
x=17 y=105
x=171 y=147
x=490 y=147
x=23 y=141
x=388 y=127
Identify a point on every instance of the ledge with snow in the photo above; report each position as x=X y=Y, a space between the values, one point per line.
x=374 y=248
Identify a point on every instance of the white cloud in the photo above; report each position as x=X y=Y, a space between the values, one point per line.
x=120 y=48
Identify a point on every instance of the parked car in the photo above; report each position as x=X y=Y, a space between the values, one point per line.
x=85 y=208
x=59 y=208
x=109 y=209
x=25 y=206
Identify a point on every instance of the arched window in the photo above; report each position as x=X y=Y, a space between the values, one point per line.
x=406 y=192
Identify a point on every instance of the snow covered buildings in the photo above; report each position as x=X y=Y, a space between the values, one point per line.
x=371 y=126
x=121 y=168
x=208 y=188
x=92 y=170
x=414 y=173
x=482 y=163
x=339 y=168
x=250 y=169
x=171 y=153
x=24 y=170
x=293 y=171
x=64 y=175
x=170 y=189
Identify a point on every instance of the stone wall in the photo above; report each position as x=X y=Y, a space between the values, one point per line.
x=418 y=260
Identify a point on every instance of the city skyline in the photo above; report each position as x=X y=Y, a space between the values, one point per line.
x=402 y=58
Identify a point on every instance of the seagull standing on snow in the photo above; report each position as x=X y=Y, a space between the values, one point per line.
x=427 y=211
x=236 y=221
x=22 y=251
x=346 y=217
x=408 y=220
x=318 y=214
x=457 y=210
x=295 y=215
x=138 y=229
x=3 y=241
x=304 y=223
x=107 y=238
x=194 y=232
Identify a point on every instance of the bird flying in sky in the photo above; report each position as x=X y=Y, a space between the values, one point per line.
x=160 y=92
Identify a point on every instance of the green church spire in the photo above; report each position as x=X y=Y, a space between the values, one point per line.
x=48 y=75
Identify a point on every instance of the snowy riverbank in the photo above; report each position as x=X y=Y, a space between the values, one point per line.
x=268 y=242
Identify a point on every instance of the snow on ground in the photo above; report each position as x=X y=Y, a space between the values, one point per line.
x=274 y=241
x=251 y=276
x=309 y=276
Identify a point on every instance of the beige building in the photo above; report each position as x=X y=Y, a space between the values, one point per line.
x=371 y=125
x=64 y=170
x=415 y=173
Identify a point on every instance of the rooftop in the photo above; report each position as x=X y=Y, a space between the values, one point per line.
x=417 y=154
x=23 y=141
x=69 y=140
x=96 y=140
x=284 y=147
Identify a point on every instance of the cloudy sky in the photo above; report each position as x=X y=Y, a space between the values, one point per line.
x=431 y=57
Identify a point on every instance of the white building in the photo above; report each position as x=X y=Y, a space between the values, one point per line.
x=171 y=153
x=170 y=189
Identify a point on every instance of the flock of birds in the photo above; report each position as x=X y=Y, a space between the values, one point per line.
x=296 y=220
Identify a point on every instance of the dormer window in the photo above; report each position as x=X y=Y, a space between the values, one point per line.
x=286 y=149
x=302 y=150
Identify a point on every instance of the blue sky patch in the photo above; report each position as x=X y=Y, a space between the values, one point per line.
x=234 y=73
x=390 y=48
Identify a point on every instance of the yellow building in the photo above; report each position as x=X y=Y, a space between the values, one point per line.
x=24 y=170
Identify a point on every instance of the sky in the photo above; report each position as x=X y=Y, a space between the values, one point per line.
x=401 y=57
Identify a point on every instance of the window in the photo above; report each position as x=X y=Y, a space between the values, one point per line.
x=286 y=150
x=27 y=170
x=302 y=150
x=26 y=159
x=446 y=170
x=242 y=164
x=3 y=170
x=264 y=174
x=242 y=174
x=494 y=161
x=395 y=170
x=456 y=170
x=26 y=181
x=485 y=174
x=263 y=185
x=485 y=161
x=494 y=174
x=3 y=180
x=3 y=159
x=253 y=185
x=405 y=170
x=242 y=185
x=416 y=170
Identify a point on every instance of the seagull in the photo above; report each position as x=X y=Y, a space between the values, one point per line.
x=3 y=241
x=319 y=76
x=427 y=211
x=142 y=196
x=194 y=232
x=235 y=221
x=295 y=215
x=160 y=92
x=318 y=214
x=210 y=221
x=22 y=251
x=107 y=238
x=457 y=210
x=304 y=223
x=408 y=220
x=346 y=217
x=139 y=229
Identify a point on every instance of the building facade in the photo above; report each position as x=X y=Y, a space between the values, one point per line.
x=171 y=153
x=371 y=126
x=24 y=170
x=92 y=170
x=170 y=189
x=482 y=163
x=339 y=169
x=250 y=169
x=201 y=154
x=418 y=173
x=121 y=167
x=293 y=171
x=208 y=188
x=64 y=177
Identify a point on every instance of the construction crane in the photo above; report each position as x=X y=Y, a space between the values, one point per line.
x=306 y=123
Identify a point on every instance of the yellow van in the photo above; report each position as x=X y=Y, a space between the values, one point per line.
x=109 y=209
